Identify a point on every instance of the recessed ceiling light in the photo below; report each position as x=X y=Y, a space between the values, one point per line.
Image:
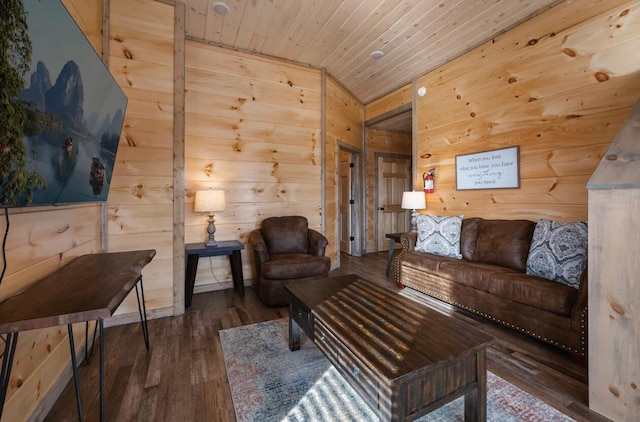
x=376 y=54
x=220 y=8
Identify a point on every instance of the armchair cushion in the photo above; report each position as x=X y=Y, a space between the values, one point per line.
x=295 y=265
x=286 y=234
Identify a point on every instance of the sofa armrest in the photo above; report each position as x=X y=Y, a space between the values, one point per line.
x=579 y=311
x=317 y=243
x=257 y=243
x=408 y=240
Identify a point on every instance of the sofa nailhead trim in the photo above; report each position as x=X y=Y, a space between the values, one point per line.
x=555 y=343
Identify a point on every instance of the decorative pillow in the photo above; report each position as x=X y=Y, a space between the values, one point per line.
x=558 y=251
x=439 y=235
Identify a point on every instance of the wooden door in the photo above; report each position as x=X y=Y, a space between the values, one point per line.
x=345 y=204
x=394 y=177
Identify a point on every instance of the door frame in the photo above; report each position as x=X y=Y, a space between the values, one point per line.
x=376 y=191
x=372 y=123
x=357 y=220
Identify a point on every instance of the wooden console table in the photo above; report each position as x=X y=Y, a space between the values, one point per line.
x=91 y=287
x=193 y=252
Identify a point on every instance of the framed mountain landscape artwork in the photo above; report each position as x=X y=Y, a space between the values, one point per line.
x=61 y=111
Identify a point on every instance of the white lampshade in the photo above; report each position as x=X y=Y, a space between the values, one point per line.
x=209 y=201
x=413 y=200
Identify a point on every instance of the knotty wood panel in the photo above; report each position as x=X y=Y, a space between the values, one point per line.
x=613 y=300
x=252 y=129
x=380 y=141
x=391 y=101
x=40 y=241
x=344 y=117
x=543 y=86
x=141 y=196
x=614 y=294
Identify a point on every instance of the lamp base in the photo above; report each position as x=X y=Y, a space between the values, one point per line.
x=211 y=229
x=414 y=221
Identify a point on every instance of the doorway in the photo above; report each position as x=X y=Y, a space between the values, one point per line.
x=393 y=176
x=389 y=144
x=349 y=194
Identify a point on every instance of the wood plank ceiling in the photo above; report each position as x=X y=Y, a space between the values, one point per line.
x=416 y=36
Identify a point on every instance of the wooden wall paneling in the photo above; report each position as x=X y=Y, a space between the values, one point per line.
x=280 y=150
x=243 y=94
x=276 y=172
x=199 y=56
x=177 y=284
x=41 y=240
x=151 y=190
x=148 y=133
x=36 y=391
x=150 y=162
x=344 y=124
x=614 y=323
x=142 y=61
x=535 y=86
x=614 y=294
x=253 y=129
x=331 y=175
x=389 y=102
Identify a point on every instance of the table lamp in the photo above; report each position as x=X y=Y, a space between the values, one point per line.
x=413 y=201
x=210 y=201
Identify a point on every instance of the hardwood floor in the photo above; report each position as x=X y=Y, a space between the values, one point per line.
x=183 y=377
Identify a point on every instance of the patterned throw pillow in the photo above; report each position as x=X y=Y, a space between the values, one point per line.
x=558 y=251
x=439 y=235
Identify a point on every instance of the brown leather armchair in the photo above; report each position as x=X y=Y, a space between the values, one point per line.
x=285 y=250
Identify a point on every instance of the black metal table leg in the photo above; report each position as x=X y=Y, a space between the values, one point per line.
x=7 y=363
x=101 y=324
x=190 y=278
x=74 y=366
x=143 y=314
x=87 y=354
x=236 y=272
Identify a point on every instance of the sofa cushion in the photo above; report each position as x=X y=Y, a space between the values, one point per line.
x=559 y=251
x=286 y=234
x=469 y=237
x=472 y=274
x=439 y=235
x=295 y=265
x=422 y=261
x=504 y=242
x=534 y=291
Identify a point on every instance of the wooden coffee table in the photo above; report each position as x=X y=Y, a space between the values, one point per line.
x=403 y=358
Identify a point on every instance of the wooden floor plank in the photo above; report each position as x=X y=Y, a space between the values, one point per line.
x=183 y=376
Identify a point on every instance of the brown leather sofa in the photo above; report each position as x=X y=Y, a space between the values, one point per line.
x=286 y=251
x=491 y=281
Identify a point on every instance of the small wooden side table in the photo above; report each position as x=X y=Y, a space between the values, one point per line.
x=395 y=237
x=193 y=252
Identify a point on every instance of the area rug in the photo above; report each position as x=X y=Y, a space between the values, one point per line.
x=270 y=383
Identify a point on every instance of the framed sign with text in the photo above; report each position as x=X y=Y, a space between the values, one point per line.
x=496 y=169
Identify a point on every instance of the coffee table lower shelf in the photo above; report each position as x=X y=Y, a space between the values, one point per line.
x=396 y=381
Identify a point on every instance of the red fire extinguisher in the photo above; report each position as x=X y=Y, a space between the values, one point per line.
x=428 y=182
